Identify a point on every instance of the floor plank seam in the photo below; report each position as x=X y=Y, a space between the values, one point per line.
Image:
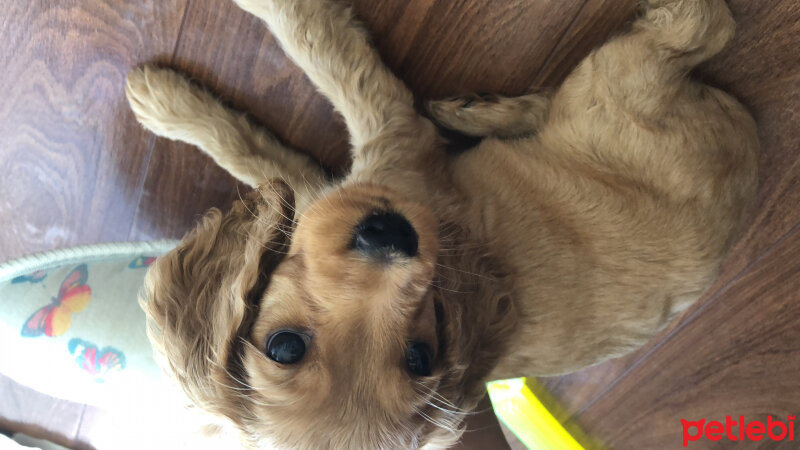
x=76 y=440
x=150 y=146
x=180 y=31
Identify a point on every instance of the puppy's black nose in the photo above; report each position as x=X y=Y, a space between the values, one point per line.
x=385 y=233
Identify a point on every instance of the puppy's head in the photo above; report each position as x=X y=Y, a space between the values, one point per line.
x=324 y=335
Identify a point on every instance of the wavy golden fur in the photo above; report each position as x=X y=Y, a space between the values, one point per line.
x=583 y=222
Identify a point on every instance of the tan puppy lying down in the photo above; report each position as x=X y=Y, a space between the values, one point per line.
x=368 y=312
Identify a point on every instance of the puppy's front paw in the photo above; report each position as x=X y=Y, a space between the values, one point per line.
x=459 y=113
x=161 y=99
x=454 y=105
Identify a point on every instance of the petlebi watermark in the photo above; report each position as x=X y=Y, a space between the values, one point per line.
x=739 y=429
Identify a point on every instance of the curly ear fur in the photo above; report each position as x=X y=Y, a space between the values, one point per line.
x=480 y=319
x=196 y=296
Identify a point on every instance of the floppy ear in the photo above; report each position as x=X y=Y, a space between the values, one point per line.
x=198 y=298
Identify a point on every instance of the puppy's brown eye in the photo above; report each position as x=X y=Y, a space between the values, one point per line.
x=419 y=358
x=286 y=347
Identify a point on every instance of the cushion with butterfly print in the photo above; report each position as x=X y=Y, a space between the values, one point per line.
x=71 y=326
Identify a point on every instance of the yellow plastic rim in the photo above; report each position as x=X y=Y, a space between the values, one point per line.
x=525 y=415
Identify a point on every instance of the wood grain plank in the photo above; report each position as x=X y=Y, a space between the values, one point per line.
x=597 y=21
x=181 y=185
x=448 y=48
x=72 y=158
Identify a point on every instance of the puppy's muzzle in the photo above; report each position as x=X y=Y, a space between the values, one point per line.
x=385 y=234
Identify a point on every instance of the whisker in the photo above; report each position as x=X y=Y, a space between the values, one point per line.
x=441 y=398
x=435 y=422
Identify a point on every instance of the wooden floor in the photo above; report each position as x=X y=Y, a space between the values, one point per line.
x=77 y=168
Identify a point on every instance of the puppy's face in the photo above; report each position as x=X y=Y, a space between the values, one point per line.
x=326 y=335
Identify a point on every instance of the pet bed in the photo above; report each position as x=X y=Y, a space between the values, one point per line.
x=71 y=326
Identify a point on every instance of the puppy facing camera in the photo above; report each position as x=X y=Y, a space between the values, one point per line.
x=370 y=311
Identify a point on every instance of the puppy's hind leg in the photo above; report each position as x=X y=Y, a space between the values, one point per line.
x=645 y=69
x=692 y=31
x=170 y=106
x=490 y=115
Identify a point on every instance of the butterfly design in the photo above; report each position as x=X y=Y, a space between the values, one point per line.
x=54 y=319
x=98 y=363
x=142 y=261
x=34 y=277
